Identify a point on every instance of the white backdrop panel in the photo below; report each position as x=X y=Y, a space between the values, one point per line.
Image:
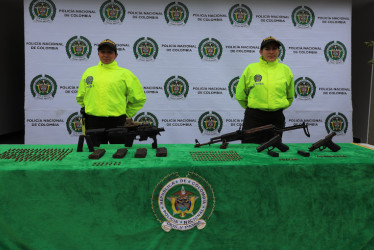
x=323 y=91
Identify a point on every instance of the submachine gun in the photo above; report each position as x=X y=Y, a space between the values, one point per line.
x=121 y=135
x=240 y=134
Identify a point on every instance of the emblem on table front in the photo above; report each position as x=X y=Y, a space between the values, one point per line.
x=182 y=203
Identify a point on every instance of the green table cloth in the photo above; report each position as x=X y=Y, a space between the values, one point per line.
x=254 y=201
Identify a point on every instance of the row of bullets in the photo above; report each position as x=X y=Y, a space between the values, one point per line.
x=50 y=154
x=215 y=156
x=327 y=156
x=106 y=163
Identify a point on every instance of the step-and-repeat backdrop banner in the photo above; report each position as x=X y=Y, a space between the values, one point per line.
x=188 y=55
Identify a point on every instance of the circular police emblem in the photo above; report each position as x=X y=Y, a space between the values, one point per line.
x=112 y=12
x=182 y=203
x=210 y=49
x=74 y=125
x=43 y=87
x=78 y=48
x=145 y=49
x=147 y=118
x=336 y=122
x=257 y=78
x=210 y=123
x=305 y=88
x=282 y=52
x=232 y=86
x=335 y=52
x=42 y=10
x=303 y=17
x=89 y=80
x=176 y=88
x=176 y=13
x=240 y=15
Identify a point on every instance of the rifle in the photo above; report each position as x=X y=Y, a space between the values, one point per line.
x=120 y=135
x=276 y=141
x=325 y=143
x=239 y=134
x=127 y=135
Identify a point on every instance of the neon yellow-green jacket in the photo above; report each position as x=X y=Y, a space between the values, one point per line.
x=267 y=86
x=108 y=90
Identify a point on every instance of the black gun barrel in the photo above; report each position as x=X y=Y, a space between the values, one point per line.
x=233 y=136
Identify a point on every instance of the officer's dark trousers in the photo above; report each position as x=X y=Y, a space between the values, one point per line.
x=254 y=118
x=94 y=122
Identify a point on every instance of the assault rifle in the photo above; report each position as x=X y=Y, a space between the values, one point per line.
x=121 y=135
x=127 y=135
x=325 y=143
x=240 y=134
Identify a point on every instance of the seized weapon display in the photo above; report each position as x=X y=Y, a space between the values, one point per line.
x=120 y=135
x=276 y=141
x=240 y=134
x=326 y=143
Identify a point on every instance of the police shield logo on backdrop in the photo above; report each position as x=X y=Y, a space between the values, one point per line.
x=336 y=122
x=282 y=52
x=210 y=49
x=176 y=13
x=335 y=52
x=74 y=125
x=145 y=49
x=78 y=48
x=305 y=88
x=240 y=15
x=43 y=87
x=42 y=10
x=232 y=87
x=303 y=17
x=176 y=88
x=147 y=118
x=182 y=203
x=112 y=12
x=210 y=123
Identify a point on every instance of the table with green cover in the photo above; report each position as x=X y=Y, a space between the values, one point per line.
x=245 y=199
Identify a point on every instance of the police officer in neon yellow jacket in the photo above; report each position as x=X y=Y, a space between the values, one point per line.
x=264 y=90
x=108 y=93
